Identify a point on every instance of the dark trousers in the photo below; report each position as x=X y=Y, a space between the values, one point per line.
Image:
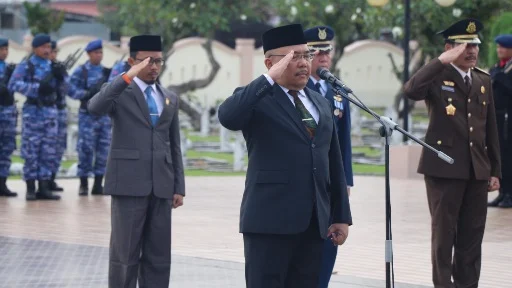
x=458 y=209
x=283 y=261
x=328 y=259
x=140 y=242
x=505 y=139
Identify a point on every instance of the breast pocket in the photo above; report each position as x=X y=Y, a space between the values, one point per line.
x=483 y=102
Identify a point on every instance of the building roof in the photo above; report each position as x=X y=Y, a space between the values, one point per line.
x=85 y=8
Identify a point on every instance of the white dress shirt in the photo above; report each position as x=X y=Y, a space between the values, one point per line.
x=303 y=98
x=159 y=99
x=463 y=74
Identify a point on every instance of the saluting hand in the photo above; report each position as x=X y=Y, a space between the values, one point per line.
x=135 y=69
x=452 y=54
x=276 y=71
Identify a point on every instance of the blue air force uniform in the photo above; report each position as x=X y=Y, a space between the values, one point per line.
x=501 y=75
x=62 y=120
x=94 y=132
x=320 y=39
x=119 y=68
x=36 y=79
x=8 y=116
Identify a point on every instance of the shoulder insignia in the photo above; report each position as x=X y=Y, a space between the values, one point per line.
x=481 y=70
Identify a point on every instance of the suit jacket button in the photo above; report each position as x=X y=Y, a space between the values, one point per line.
x=439 y=142
x=469 y=100
x=470 y=129
x=471 y=144
x=469 y=115
x=313 y=145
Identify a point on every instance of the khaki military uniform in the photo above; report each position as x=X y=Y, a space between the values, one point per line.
x=462 y=125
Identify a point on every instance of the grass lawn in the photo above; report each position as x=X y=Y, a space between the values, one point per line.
x=368 y=151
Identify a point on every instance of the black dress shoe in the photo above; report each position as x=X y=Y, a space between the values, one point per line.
x=496 y=201
x=506 y=202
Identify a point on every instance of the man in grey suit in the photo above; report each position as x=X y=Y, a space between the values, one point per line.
x=144 y=167
x=295 y=180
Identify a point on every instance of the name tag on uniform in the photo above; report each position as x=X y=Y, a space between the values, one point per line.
x=448 y=88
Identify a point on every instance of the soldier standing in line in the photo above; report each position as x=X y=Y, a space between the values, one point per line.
x=38 y=80
x=62 y=122
x=118 y=68
x=502 y=89
x=94 y=132
x=462 y=124
x=8 y=117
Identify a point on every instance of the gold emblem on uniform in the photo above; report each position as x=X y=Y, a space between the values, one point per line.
x=166 y=101
x=482 y=89
x=338 y=98
x=322 y=34
x=483 y=103
x=450 y=110
x=450 y=99
x=336 y=112
x=471 y=27
x=449 y=83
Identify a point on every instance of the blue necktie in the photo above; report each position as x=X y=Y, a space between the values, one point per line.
x=153 y=110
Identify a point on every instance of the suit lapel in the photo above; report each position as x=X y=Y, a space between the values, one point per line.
x=476 y=83
x=167 y=105
x=290 y=109
x=139 y=98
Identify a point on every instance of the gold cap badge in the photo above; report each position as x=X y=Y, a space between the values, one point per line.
x=482 y=89
x=450 y=110
x=471 y=27
x=322 y=34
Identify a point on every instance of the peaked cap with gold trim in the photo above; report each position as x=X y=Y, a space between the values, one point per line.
x=463 y=31
x=319 y=38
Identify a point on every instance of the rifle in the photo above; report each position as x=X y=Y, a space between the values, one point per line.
x=120 y=60
x=6 y=97
x=71 y=60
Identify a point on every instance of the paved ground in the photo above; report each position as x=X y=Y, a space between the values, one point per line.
x=64 y=244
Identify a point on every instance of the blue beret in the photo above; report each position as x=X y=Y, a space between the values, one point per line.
x=40 y=39
x=319 y=37
x=93 y=45
x=283 y=36
x=54 y=44
x=4 y=42
x=505 y=40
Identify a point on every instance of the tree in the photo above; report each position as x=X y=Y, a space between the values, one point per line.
x=427 y=19
x=42 y=19
x=176 y=19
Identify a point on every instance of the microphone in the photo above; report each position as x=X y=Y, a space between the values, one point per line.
x=327 y=76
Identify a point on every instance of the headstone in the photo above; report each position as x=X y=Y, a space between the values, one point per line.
x=356 y=123
x=72 y=170
x=205 y=122
x=16 y=169
x=224 y=140
x=184 y=148
x=72 y=139
x=239 y=152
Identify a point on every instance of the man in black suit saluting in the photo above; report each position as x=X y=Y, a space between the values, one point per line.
x=295 y=180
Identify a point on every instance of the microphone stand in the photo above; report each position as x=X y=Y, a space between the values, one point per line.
x=385 y=131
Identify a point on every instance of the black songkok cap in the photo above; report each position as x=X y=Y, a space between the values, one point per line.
x=283 y=36
x=145 y=43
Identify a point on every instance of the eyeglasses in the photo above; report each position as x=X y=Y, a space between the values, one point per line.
x=297 y=57
x=158 y=62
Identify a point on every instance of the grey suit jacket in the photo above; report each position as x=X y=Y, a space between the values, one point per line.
x=142 y=158
x=290 y=176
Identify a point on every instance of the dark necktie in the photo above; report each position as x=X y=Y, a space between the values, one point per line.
x=317 y=88
x=466 y=81
x=306 y=117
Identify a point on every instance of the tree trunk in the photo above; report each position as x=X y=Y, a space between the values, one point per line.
x=182 y=89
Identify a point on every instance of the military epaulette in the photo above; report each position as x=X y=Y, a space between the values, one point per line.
x=481 y=70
